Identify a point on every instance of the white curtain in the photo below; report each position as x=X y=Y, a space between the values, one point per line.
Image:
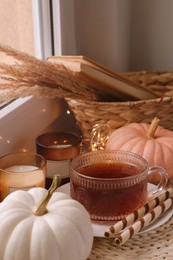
x=124 y=35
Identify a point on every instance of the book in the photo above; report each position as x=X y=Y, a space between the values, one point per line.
x=108 y=84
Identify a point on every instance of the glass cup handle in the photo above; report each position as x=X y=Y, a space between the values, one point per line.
x=163 y=179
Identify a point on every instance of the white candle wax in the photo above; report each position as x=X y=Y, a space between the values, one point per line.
x=21 y=177
x=21 y=168
x=21 y=171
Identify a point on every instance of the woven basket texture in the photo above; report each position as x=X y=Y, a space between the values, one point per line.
x=117 y=114
x=156 y=244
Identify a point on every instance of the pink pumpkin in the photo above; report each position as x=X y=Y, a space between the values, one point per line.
x=153 y=142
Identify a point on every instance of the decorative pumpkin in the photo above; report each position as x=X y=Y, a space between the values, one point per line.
x=153 y=142
x=61 y=231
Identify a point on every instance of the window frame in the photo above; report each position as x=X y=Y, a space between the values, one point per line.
x=42 y=42
x=42 y=25
x=22 y=106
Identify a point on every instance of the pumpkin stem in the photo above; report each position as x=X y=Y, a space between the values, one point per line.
x=153 y=127
x=41 y=209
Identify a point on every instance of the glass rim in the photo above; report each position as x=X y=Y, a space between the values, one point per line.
x=22 y=154
x=60 y=146
x=143 y=170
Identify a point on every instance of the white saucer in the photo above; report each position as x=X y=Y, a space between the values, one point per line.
x=99 y=229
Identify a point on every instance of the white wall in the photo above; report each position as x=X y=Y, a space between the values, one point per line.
x=151 y=35
x=126 y=35
x=16 y=27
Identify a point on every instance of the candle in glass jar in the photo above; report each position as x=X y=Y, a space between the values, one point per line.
x=58 y=148
x=14 y=176
x=32 y=173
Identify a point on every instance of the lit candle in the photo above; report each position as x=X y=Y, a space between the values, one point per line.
x=14 y=176
x=33 y=176
x=58 y=148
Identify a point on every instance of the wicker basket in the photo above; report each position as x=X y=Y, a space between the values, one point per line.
x=117 y=114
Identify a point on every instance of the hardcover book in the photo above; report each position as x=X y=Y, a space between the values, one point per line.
x=109 y=85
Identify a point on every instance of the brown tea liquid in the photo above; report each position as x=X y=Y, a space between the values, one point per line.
x=106 y=200
x=109 y=170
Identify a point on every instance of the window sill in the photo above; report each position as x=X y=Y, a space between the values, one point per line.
x=26 y=118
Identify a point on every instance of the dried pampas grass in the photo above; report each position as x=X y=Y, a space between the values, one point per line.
x=26 y=75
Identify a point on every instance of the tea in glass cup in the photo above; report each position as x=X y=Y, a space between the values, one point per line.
x=112 y=184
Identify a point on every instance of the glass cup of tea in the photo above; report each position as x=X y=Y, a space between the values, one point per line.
x=112 y=184
x=21 y=171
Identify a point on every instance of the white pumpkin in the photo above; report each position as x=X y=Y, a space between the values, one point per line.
x=63 y=232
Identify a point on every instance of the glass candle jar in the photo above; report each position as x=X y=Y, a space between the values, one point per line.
x=21 y=171
x=58 y=148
